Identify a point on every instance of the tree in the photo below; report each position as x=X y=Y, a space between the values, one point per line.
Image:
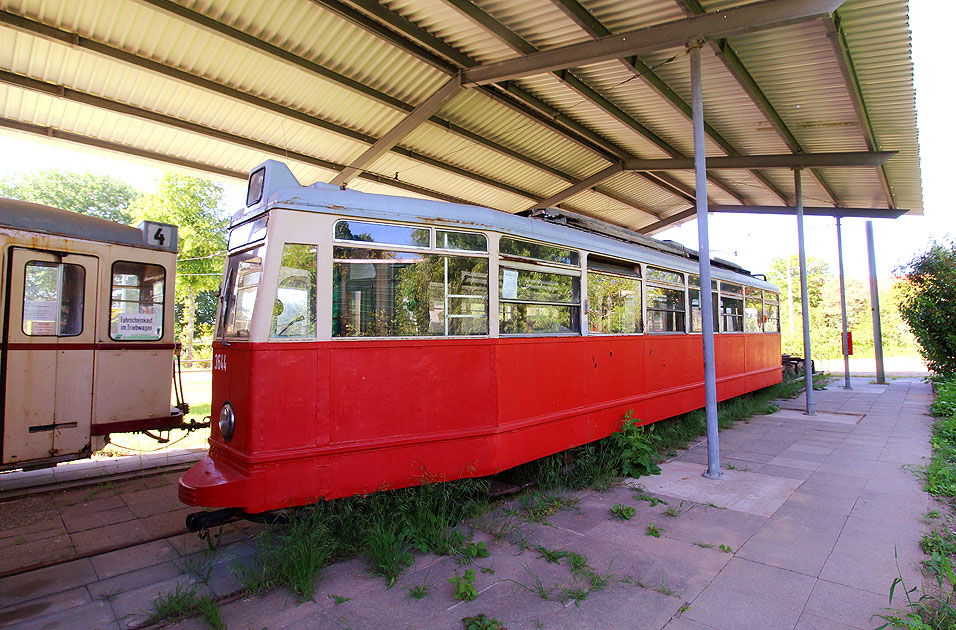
x=193 y=205
x=927 y=302
x=87 y=193
x=817 y=273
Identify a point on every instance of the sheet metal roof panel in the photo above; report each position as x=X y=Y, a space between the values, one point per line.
x=538 y=22
x=619 y=16
x=491 y=120
x=879 y=38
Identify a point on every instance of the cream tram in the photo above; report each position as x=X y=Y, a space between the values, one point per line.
x=367 y=342
x=87 y=339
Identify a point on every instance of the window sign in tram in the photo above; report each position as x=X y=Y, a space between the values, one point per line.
x=136 y=301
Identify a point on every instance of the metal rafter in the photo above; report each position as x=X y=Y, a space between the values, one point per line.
x=734 y=21
x=582 y=185
x=51 y=132
x=217 y=28
x=785 y=160
x=822 y=211
x=60 y=91
x=64 y=37
x=842 y=49
x=399 y=131
x=411 y=38
x=593 y=27
x=668 y=221
x=518 y=44
x=745 y=80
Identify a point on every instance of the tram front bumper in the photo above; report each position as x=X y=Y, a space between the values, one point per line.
x=215 y=484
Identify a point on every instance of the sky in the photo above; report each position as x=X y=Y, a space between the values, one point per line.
x=751 y=241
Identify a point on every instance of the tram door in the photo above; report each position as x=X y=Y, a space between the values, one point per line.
x=48 y=353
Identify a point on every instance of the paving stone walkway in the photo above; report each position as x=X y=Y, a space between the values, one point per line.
x=807 y=532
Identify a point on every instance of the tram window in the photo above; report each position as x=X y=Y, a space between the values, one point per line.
x=753 y=310
x=665 y=304
x=243 y=276
x=462 y=241
x=665 y=309
x=137 y=293
x=771 y=322
x=696 y=319
x=379 y=293
x=366 y=232
x=518 y=248
x=293 y=312
x=53 y=299
x=538 y=301
x=732 y=310
x=614 y=304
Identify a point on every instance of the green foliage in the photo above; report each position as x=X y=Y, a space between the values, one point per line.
x=471 y=551
x=927 y=302
x=945 y=403
x=464 y=585
x=419 y=591
x=388 y=551
x=482 y=622
x=726 y=548
x=634 y=445
x=99 y=196
x=184 y=601
x=623 y=512
x=654 y=531
x=932 y=608
x=939 y=475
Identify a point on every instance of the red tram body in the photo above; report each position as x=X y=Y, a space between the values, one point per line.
x=542 y=361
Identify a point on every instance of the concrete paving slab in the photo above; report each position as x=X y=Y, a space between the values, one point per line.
x=840 y=417
x=39 y=607
x=56 y=579
x=843 y=604
x=754 y=493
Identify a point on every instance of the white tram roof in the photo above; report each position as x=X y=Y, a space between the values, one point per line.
x=34 y=217
x=282 y=190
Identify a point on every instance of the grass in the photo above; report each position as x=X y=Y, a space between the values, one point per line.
x=183 y=602
x=419 y=591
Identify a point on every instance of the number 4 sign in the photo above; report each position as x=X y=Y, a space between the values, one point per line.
x=159 y=235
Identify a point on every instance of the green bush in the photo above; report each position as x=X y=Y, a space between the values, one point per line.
x=927 y=302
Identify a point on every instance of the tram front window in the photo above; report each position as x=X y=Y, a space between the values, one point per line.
x=242 y=278
x=293 y=312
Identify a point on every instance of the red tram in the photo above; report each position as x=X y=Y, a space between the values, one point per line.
x=367 y=342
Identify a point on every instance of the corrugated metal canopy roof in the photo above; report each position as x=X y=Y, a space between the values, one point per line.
x=221 y=85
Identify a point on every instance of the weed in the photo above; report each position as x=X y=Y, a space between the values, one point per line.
x=482 y=622
x=419 y=591
x=932 y=608
x=537 y=623
x=465 y=585
x=731 y=466
x=551 y=555
x=663 y=590
x=576 y=593
x=684 y=608
x=211 y=614
x=538 y=507
x=184 y=602
x=488 y=570
x=199 y=564
x=521 y=541
x=939 y=543
x=538 y=588
x=653 y=531
x=576 y=562
x=19 y=540
x=627 y=579
x=929 y=516
x=499 y=527
x=704 y=545
x=387 y=551
x=339 y=599
x=109 y=595
x=623 y=512
x=655 y=501
x=471 y=550
x=725 y=548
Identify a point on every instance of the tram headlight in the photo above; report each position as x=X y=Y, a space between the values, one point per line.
x=227 y=421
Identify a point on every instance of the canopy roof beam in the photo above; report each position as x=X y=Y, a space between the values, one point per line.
x=734 y=21
x=518 y=44
x=593 y=27
x=584 y=184
x=822 y=211
x=786 y=160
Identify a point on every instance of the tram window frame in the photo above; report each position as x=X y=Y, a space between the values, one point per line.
x=774 y=303
x=161 y=303
x=693 y=286
x=663 y=279
x=527 y=313
x=279 y=307
x=231 y=291
x=729 y=293
x=75 y=306
x=391 y=245
x=439 y=232
x=621 y=270
x=753 y=296
x=455 y=306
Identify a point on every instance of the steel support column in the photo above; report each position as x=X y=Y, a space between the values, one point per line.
x=804 y=293
x=846 y=345
x=703 y=259
x=875 y=306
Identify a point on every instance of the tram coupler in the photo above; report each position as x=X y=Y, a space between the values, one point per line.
x=201 y=521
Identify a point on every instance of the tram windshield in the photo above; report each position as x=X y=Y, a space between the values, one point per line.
x=239 y=293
